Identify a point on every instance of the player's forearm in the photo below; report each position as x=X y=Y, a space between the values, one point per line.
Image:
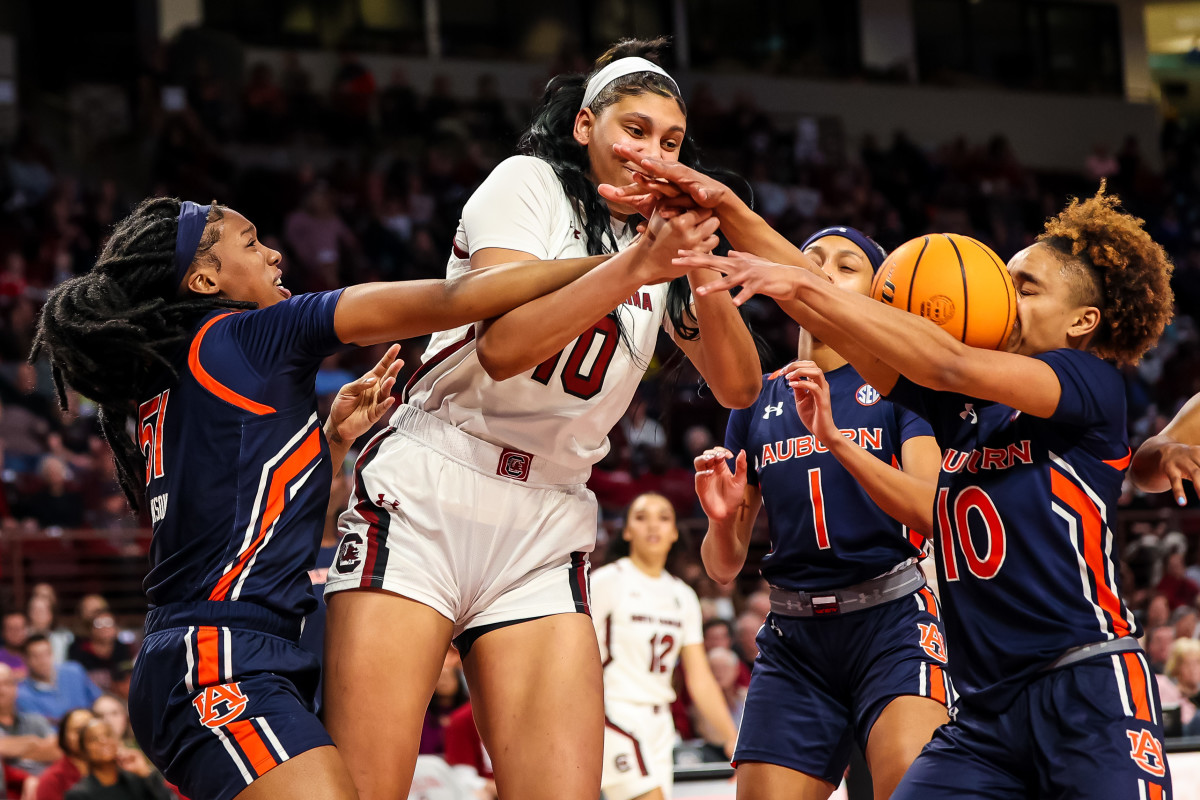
x=339 y=448
x=869 y=366
x=1146 y=471
x=905 y=498
x=750 y=233
x=725 y=354
x=723 y=551
x=526 y=336
x=709 y=700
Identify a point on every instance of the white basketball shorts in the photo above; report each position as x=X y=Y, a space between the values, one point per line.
x=639 y=742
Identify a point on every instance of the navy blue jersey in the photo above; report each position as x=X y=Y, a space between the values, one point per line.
x=237 y=466
x=826 y=532
x=1026 y=559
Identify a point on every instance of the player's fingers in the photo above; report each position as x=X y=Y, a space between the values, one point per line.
x=1177 y=487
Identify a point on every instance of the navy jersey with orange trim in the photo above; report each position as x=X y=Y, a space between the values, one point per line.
x=237 y=467
x=1026 y=559
x=826 y=532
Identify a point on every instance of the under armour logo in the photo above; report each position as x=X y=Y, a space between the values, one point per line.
x=383 y=501
x=969 y=411
x=776 y=409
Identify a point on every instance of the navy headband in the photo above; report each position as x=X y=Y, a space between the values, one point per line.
x=875 y=254
x=192 y=219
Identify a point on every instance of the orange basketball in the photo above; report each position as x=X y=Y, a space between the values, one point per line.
x=955 y=281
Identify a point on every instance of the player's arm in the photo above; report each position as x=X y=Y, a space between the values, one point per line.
x=1167 y=460
x=907 y=495
x=360 y=404
x=526 y=336
x=912 y=345
x=371 y=313
x=732 y=505
x=724 y=353
x=706 y=694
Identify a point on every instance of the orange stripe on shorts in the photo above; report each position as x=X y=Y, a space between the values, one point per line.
x=253 y=746
x=208 y=656
x=1138 y=694
x=937 y=684
x=1156 y=790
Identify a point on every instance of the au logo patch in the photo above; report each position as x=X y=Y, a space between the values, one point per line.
x=220 y=705
x=349 y=553
x=1147 y=752
x=866 y=395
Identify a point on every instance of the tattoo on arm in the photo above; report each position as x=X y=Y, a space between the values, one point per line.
x=743 y=510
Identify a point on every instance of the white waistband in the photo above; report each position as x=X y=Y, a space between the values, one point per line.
x=490 y=459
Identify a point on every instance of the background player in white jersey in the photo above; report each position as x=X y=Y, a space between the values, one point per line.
x=470 y=513
x=647 y=620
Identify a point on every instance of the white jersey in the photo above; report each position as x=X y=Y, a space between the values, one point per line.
x=642 y=624
x=563 y=409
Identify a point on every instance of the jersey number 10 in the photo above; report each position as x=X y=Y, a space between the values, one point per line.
x=957 y=531
x=575 y=381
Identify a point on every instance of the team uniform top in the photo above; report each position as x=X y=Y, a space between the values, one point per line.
x=642 y=623
x=1023 y=525
x=237 y=466
x=563 y=409
x=826 y=532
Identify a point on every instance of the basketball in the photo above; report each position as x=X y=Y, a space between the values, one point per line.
x=955 y=281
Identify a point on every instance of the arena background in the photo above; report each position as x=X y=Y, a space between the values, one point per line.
x=351 y=132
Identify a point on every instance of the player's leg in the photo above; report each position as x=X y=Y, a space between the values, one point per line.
x=537 y=694
x=760 y=781
x=383 y=654
x=317 y=774
x=897 y=737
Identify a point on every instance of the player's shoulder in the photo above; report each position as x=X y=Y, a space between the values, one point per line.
x=1084 y=363
x=608 y=572
x=525 y=169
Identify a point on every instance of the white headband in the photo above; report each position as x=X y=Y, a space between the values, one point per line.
x=619 y=69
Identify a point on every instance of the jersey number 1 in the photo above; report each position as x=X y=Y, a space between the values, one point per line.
x=150 y=427
x=575 y=381
x=818 y=507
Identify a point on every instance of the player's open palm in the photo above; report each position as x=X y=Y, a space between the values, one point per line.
x=720 y=491
x=812 y=398
x=361 y=403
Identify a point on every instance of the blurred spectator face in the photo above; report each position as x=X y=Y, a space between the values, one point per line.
x=90 y=606
x=104 y=627
x=747 y=631
x=1159 y=645
x=113 y=712
x=717 y=636
x=724 y=663
x=650 y=528
x=53 y=472
x=1185 y=625
x=46 y=590
x=8 y=690
x=1187 y=673
x=74 y=723
x=98 y=743
x=656 y=132
x=844 y=262
x=15 y=630
x=759 y=603
x=41 y=613
x=39 y=658
x=1158 y=611
x=448 y=680
x=1175 y=565
x=697 y=439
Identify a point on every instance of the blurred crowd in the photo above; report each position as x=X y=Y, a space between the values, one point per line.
x=365 y=179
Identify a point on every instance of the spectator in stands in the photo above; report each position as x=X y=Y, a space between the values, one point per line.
x=102 y=652
x=113 y=710
x=449 y=694
x=89 y=606
x=26 y=739
x=718 y=633
x=1178 y=588
x=466 y=753
x=50 y=690
x=1180 y=685
x=56 y=503
x=725 y=666
x=1158 y=646
x=42 y=619
x=748 y=624
x=318 y=240
x=12 y=646
x=106 y=779
x=71 y=767
x=1184 y=619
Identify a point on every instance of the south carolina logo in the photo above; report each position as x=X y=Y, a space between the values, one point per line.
x=866 y=395
x=220 y=705
x=514 y=464
x=1147 y=752
x=349 y=553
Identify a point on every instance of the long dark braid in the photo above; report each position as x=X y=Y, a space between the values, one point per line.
x=550 y=138
x=108 y=333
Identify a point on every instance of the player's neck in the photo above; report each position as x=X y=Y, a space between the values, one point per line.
x=652 y=568
x=826 y=357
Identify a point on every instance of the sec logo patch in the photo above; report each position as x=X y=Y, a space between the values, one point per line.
x=866 y=395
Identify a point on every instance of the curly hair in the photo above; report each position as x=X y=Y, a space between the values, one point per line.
x=108 y=333
x=1125 y=273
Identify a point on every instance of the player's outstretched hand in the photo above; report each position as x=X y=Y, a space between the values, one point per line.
x=812 y=398
x=720 y=491
x=361 y=403
x=694 y=231
x=1180 y=462
x=755 y=275
x=671 y=179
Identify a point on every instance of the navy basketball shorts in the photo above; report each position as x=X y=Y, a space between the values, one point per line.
x=221 y=694
x=820 y=682
x=1090 y=730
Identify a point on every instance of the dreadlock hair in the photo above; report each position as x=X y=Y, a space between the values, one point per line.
x=1114 y=265
x=110 y=332
x=550 y=137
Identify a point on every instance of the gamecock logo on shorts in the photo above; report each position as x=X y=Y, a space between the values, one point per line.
x=348 y=554
x=514 y=464
x=220 y=705
x=1147 y=752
